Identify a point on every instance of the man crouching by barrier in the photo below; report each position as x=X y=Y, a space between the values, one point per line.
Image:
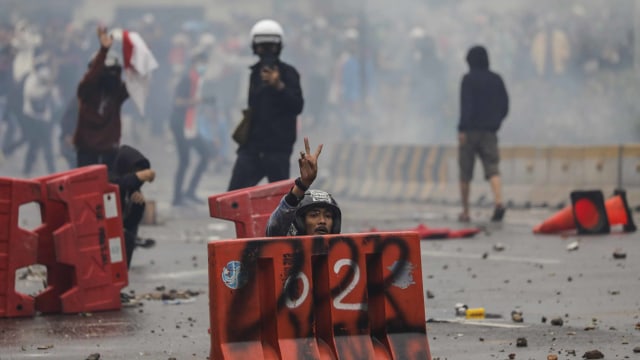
x=130 y=171
x=302 y=211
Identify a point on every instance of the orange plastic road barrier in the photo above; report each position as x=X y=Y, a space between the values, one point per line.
x=618 y=212
x=91 y=242
x=589 y=212
x=355 y=296
x=59 y=275
x=249 y=208
x=18 y=247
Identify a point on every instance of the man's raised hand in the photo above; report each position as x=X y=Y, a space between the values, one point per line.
x=105 y=38
x=308 y=163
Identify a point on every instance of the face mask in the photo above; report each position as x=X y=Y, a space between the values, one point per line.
x=268 y=60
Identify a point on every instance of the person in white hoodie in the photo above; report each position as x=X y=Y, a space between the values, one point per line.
x=25 y=41
x=41 y=99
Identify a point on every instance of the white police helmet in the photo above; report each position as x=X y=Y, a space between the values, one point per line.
x=266 y=31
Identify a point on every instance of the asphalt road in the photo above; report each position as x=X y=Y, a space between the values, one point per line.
x=596 y=295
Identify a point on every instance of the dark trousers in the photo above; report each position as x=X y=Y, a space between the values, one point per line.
x=88 y=157
x=184 y=147
x=251 y=167
x=38 y=139
x=131 y=221
x=9 y=141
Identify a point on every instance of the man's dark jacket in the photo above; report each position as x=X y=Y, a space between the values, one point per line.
x=484 y=101
x=273 y=112
x=127 y=162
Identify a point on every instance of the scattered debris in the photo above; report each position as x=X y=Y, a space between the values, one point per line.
x=573 y=246
x=638 y=326
x=589 y=327
x=593 y=354
x=614 y=292
x=571 y=352
x=498 y=247
x=95 y=356
x=178 y=301
x=636 y=349
x=516 y=316
x=172 y=294
x=45 y=347
x=557 y=321
x=430 y=294
x=461 y=309
x=544 y=319
x=485 y=255
x=619 y=254
x=512 y=356
x=552 y=357
x=475 y=313
x=521 y=342
x=33 y=272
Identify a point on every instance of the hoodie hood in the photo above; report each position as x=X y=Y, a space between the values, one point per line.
x=478 y=58
x=129 y=160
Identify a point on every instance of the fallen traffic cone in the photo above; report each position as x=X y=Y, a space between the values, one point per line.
x=589 y=212
x=427 y=233
x=618 y=212
x=558 y=222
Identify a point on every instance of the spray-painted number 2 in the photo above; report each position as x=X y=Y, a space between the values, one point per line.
x=338 y=301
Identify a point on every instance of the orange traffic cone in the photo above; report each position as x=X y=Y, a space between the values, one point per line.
x=589 y=212
x=586 y=213
x=618 y=212
x=560 y=221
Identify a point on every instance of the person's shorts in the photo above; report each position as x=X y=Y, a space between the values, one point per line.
x=484 y=144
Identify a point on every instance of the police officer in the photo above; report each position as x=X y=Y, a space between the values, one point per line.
x=275 y=100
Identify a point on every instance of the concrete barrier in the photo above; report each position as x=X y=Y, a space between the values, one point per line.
x=531 y=176
x=629 y=170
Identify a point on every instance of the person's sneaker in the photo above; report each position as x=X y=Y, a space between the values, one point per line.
x=498 y=213
x=145 y=243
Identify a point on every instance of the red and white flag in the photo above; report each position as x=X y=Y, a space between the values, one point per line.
x=139 y=63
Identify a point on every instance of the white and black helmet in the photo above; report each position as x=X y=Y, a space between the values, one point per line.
x=317 y=198
x=266 y=31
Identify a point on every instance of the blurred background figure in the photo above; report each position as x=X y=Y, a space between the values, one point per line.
x=427 y=86
x=191 y=129
x=41 y=103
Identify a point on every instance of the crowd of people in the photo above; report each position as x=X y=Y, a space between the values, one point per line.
x=362 y=72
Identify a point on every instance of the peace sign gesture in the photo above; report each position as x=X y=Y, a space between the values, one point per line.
x=308 y=163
